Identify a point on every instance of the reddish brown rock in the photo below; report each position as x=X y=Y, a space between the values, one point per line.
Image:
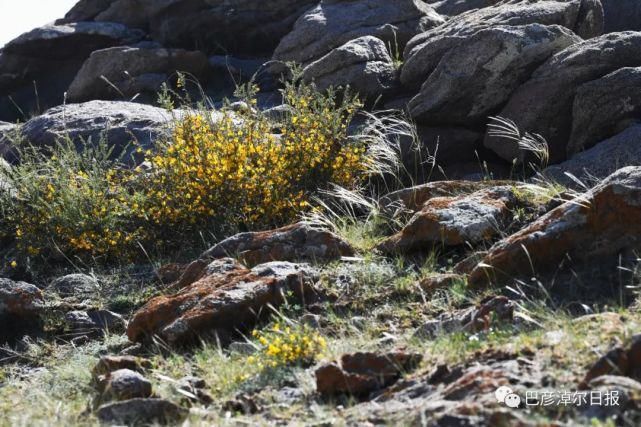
x=618 y=361
x=440 y=281
x=454 y=221
x=359 y=374
x=108 y=364
x=414 y=198
x=296 y=242
x=20 y=299
x=598 y=225
x=123 y=384
x=227 y=299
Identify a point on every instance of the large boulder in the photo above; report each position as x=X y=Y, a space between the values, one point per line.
x=456 y=7
x=596 y=163
x=221 y=304
x=424 y=52
x=544 y=104
x=333 y=23
x=246 y=26
x=119 y=122
x=595 y=228
x=128 y=71
x=454 y=221
x=142 y=411
x=20 y=299
x=71 y=41
x=21 y=305
x=622 y=15
x=474 y=79
x=37 y=67
x=604 y=107
x=364 y=64
x=296 y=242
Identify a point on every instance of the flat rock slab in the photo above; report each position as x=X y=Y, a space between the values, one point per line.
x=359 y=374
x=296 y=242
x=221 y=303
x=141 y=411
x=454 y=221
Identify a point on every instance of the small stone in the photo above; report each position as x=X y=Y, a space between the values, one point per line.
x=311 y=320
x=241 y=347
x=75 y=285
x=124 y=384
x=141 y=411
x=108 y=364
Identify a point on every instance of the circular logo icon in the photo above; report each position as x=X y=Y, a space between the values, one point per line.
x=502 y=392
x=513 y=400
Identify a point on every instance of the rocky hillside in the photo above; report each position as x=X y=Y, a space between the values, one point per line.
x=304 y=212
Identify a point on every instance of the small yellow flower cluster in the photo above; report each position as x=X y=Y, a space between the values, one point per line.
x=289 y=346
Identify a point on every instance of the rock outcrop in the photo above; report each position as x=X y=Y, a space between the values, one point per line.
x=544 y=104
x=333 y=23
x=598 y=162
x=296 y=242
x=220 y=304
x=474 y=79
x=133 y=71
x=454 y=221
x=595 y=226
x=119 y=122
x=425 y=51
x=363 y=64
x=37 y=67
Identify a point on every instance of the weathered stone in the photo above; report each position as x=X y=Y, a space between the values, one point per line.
x=108 y=364
x=221 y=304
x=127 y=71
x=294 y=242
x=95 y=320
x=141 y=411
x=363 y=64
x=530 y=106
x=474 y=79
x=359 y=374
x=596 y=163
x=77 y=286
x=119 y=122
x=21 y=307
x=414 y=198
x=604 y=107
x=440 y=281
x=8 y=132
x=425 y=51
x=454 y=221
x=124 y=384
x=20 y=299
x=594 y=227
x=53 y=41
x=456 y=7
x=37 y=67
x=621 y=15
x=626 y=390
x=333 y=23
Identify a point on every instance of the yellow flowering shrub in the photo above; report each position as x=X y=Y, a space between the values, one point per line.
x=235 y=171
x=289 y=346
x=77 y=203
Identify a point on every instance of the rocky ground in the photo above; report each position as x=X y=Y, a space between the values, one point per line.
x=495 y=284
